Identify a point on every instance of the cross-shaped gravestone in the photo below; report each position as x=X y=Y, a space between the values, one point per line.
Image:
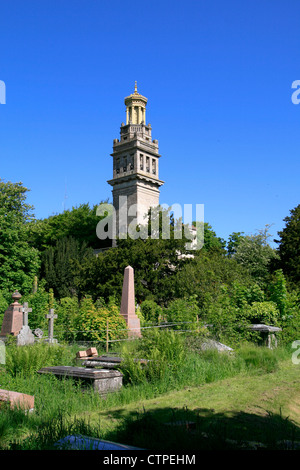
x=25 y=311
x=50 y=316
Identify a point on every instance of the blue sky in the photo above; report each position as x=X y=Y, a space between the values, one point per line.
x=218 y=79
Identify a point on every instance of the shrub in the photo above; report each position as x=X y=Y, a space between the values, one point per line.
x=183 y=310
x=263 y=312
x=151 y=311
x=165 y=351
x=67 y=311
x=91 y=322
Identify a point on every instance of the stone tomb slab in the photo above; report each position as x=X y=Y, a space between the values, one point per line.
x=102 y=380
x=105 y=362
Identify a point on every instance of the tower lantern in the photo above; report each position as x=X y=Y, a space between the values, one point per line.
x=135 y=108
x=135 y=164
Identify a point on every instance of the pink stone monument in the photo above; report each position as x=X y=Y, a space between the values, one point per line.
x=128 y=303
x=13 y=317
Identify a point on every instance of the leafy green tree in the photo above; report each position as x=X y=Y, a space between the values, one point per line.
x=60 y=264
x=155 y=262
x=19 y=262
x=289 y=246
x=278 y=291
x=211 y=240
x=79 y=223
x=256 y=255
x=233 y=242
x=207 y=275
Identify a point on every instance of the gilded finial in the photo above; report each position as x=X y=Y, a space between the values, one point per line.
x=135 y=87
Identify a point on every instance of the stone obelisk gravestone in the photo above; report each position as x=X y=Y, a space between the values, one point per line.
x=128 y=303
x=13 y=317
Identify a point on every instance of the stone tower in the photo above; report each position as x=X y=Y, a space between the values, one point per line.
x=135 y=166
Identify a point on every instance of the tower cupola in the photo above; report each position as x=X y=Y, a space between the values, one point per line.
x=135 y=108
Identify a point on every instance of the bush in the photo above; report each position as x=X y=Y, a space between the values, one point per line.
x=91 y=322
x=183 y=310
x=165 y=352
x=151 y=311
x=263 y=312
x=66 y=311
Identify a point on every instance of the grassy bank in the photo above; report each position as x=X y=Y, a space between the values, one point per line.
x=207 y=401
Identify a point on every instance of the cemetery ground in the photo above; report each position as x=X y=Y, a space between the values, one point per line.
x=195 y=400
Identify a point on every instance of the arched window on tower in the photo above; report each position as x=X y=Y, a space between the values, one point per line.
x=153 y=166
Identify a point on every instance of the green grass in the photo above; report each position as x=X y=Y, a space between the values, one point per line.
x=208 y=400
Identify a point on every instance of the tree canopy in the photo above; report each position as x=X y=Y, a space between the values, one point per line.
x=19 y=262
x=289 y=246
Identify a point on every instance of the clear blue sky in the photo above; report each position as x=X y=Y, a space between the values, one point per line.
x=218 y=79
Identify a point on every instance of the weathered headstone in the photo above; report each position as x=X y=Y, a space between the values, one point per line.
x=25 y=335
x=13 y=317
x=128 y=303
x=51 y=316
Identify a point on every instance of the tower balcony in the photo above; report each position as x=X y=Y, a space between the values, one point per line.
x=129 y=131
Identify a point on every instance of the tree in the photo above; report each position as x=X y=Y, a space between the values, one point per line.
x=79 y=223
x=211 y=240
x=233 y=242
x=207 y=275
x=19 y=262
x=61 y=263
x=255 y=254
x=289 y=246
x=154 y=260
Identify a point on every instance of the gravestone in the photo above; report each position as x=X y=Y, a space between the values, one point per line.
x=13 y=317
x=25 y=335
x=128 y=303
x=51 y=316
